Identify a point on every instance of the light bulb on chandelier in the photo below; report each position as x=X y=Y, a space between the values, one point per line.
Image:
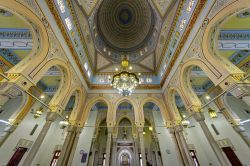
x=125 y=82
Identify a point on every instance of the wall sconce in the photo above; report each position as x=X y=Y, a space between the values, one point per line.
x=185 y=123
x=38 y=112
x=63 y=124
x=150 y=128
x=212 y=113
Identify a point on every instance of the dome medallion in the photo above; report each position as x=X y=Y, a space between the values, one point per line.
x=124 y=26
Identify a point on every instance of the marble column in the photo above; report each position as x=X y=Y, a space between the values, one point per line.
x=142 y=148
x=158 y=157
x=114 y=151
x=242 y=91
x=183 y=146
x=199 y=117
x=7 y=131
x=136 y=160
x=243 y=133
x=92 y=157
x=50 y=118
x=66 y=145
x=74 y=145
x=108 y=147
x=178 y=153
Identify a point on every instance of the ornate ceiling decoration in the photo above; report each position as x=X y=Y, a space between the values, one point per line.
x=88 y=5
x=125 y=27
x=162 y=5
x=100 y=46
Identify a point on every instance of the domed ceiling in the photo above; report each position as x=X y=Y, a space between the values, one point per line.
x=147 y=32
x=124 y=27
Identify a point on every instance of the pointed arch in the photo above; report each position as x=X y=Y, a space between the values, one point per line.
x=159 y=104
x=170 y=99
x=39 y=36
x=211 y=32
x=136 y=110
x=90 y=104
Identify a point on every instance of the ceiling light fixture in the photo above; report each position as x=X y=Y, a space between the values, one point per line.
x=42 y=97
x=125 y=82
x=208 y=97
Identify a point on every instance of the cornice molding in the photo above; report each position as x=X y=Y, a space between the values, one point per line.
x=184 y=38
x=54 y=11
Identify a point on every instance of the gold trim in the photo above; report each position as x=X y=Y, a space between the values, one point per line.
x=195 y=15
x=53 y=10
x=177 y=14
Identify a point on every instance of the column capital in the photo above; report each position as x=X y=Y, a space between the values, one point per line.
x=55 y=108
x=71 y=128
x=51 y=116
x=18 y=80
x=196 y=108
x=199 y=116
x=139 y=124
x=168 y=124
x=178 y=128
x=171 y=130
x=110 y=129
x=231 y=80
x=140 y=129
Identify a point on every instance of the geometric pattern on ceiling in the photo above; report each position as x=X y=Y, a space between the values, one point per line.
x=88 y=5
x=163 y=37
x=73 y=12
x=162 y=6
x=101 y=62
x=148 y=62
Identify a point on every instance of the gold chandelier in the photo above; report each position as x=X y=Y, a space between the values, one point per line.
x=125 y=82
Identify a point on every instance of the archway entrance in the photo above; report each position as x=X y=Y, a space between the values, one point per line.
x=125 y=158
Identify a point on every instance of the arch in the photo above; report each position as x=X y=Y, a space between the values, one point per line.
x=185 y=84
x=128 y=151
x=225 y=66
x=39 y=35
x=124 y=117
x=63 y=90
x=22 y=110
x=137 y=112
x=170 y=99
x=90 y=104
x=79 y=103
x=159 y=104
x=212 y=74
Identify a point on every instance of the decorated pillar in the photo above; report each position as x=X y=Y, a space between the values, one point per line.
x=114 y=151
x=50 y=118
x=183 y=146
x=7 y=131
x=142 y=148
x=74 y=145
x=137 y=162
x=199 y=117
x=108 y=147
x=237 y=86
x=178 y=152
x=233 y=119
x=64 y=155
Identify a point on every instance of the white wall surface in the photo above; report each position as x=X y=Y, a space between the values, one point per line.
x=55 y=136
x=85 y=140
x=165 y=141
x=226 y=131
x=239 y=107
x=8 y=109
x=204 y=152
x=22 y=131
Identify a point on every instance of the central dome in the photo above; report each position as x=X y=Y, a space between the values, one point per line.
x=125 y=25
